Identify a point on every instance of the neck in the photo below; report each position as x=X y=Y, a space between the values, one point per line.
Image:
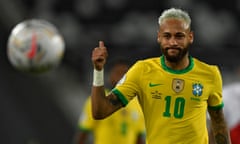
x=180 y=65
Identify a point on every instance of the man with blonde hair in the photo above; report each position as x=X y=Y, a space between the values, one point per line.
x=174 y=90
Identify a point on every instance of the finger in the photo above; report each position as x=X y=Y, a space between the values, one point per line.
x=101 y=44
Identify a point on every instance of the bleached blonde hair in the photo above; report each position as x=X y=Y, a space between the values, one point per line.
x=175 y=13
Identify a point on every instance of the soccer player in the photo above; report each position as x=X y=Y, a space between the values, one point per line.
x=124 y=127
x=174 y=90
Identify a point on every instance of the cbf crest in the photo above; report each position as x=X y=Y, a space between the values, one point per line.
x=178 y=85
x=197 y=89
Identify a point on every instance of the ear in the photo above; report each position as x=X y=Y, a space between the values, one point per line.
x=191 y=37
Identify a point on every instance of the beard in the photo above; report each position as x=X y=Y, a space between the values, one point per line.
x=177 y=57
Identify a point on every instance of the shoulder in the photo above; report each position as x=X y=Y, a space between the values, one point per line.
x=144 y=66
x=205 y=66
x=145 y=63
x=151 y=60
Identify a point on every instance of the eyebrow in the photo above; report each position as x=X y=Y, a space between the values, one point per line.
x=177 y=33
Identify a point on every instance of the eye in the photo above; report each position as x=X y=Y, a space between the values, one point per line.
x=180 y=36
x=167 y=36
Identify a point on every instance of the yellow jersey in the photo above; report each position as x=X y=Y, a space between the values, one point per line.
x=174 y=102
x=123 y=126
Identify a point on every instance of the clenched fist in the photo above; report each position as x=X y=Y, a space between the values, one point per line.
x=99 y=56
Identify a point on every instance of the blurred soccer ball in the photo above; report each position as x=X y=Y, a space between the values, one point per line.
x=35 y=46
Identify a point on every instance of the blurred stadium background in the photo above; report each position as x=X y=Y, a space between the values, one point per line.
x=44 y=109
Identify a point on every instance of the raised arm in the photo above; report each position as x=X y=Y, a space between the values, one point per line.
x=102 y=105
x=219 y=127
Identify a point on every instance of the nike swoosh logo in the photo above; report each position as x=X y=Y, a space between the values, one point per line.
x=153 y=85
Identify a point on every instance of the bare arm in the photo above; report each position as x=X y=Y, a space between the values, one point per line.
x=102 y=106
x=81 y=137
x=140 y=139
x=219 y=127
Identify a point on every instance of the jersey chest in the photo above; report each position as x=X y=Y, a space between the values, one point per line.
x=190 y=85
x=180 y=93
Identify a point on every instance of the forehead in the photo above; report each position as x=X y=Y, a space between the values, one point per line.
x=173 y=24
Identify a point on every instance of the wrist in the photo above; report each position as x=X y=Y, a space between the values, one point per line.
x=98 y=77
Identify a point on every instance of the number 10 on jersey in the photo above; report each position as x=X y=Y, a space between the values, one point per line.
x=178 y=107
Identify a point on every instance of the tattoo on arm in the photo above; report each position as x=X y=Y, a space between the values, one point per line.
x=219 y=126
x=114 y=100
x=221 y=139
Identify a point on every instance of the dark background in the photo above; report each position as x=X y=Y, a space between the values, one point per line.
x=44 y=109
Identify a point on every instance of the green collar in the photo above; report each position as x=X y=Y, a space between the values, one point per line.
x=187 y=69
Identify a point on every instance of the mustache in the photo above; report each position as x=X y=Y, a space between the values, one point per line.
x=177 y=48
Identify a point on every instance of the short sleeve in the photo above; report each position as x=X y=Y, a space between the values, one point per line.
x=215 y=99
x=128 y=86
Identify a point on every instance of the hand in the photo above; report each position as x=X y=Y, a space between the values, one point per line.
x=99 y=56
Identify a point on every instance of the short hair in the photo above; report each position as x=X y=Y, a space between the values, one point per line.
x=175 y=13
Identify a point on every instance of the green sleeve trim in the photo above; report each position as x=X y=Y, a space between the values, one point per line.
x=216 y=107
x=84 y=129
x=120 y=96
x=142 y=134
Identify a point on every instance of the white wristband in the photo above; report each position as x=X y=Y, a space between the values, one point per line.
x=98 y=77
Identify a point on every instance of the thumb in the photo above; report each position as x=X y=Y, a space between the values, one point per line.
x=101 y=44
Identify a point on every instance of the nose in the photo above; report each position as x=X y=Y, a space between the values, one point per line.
x=173 y=41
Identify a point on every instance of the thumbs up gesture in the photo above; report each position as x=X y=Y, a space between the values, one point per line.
x=99 y=56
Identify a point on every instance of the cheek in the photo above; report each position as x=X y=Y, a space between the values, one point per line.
x=161 y=41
